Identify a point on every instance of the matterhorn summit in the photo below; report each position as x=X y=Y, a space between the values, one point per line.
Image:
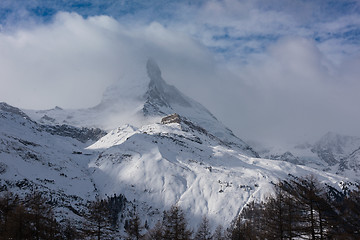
x=148 y=100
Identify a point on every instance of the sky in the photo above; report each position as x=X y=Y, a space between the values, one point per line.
x=275 y=71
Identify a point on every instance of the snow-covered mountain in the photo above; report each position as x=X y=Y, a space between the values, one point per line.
x=332 y=148
x=333 y=152
x=171 y=150
x=141 y=104
x=34 y=156
x=351 y=162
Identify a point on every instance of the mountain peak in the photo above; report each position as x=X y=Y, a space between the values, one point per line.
x=13 y=110
x=153 y=70
x=160 y=96
x=142 y=98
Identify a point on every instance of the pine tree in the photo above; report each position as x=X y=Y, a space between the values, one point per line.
x=19 y=224
x=310 y=196
x=219 y=233
x=116 y=205
x=69 y=231
x=249 y=224
x=98 y=220
x=134 y=228
x=279 y=213
x=8 y=204
x=41 y=216
x=156 y=233
x=175 y=225
x=203 y=232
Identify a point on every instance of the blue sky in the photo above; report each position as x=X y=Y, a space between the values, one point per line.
x=284 y=69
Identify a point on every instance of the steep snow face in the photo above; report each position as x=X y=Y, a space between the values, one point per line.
x=32 y=158
x=146 y=100
x=164 y=164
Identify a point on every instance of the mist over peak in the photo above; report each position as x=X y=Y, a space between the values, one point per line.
x=146 y=100
x=153 y=70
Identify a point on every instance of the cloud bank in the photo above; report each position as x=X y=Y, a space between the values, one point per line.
x=71 y=61
x=271 y=72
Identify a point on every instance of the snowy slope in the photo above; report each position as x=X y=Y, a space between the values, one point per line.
x=164 y=164
x=32 y=158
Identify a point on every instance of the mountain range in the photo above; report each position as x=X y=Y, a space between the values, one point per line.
x=158 y=148
x=333 y=152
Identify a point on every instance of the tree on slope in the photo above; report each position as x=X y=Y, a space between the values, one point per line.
x=40 y=215
x=249 y=224
x=313 y=207
x=280 y=214
x=219 y=233
x=203 y=232
x=134 y=228
x=8 y=204
x=156 y=233
x=175 y=225
x=98 y=220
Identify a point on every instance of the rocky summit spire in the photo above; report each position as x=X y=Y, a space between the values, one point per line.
x=160 y=96
x=153 y=70
x=156 y=81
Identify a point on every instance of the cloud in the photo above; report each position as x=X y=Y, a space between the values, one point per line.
x=270 y=70
x=70 y=61
x=62 y=62
x=293 y=92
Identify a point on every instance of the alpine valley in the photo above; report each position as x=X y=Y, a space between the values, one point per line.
x=157 y=147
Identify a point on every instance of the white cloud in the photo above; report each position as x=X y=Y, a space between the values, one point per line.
x=71 y=61
x=290 y=86
x=293 y=92
x=61 y=62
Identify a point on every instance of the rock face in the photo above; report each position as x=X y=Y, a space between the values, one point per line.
x=82 y=134
x=173 y=118
x=287 y=156
x=161 y=97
